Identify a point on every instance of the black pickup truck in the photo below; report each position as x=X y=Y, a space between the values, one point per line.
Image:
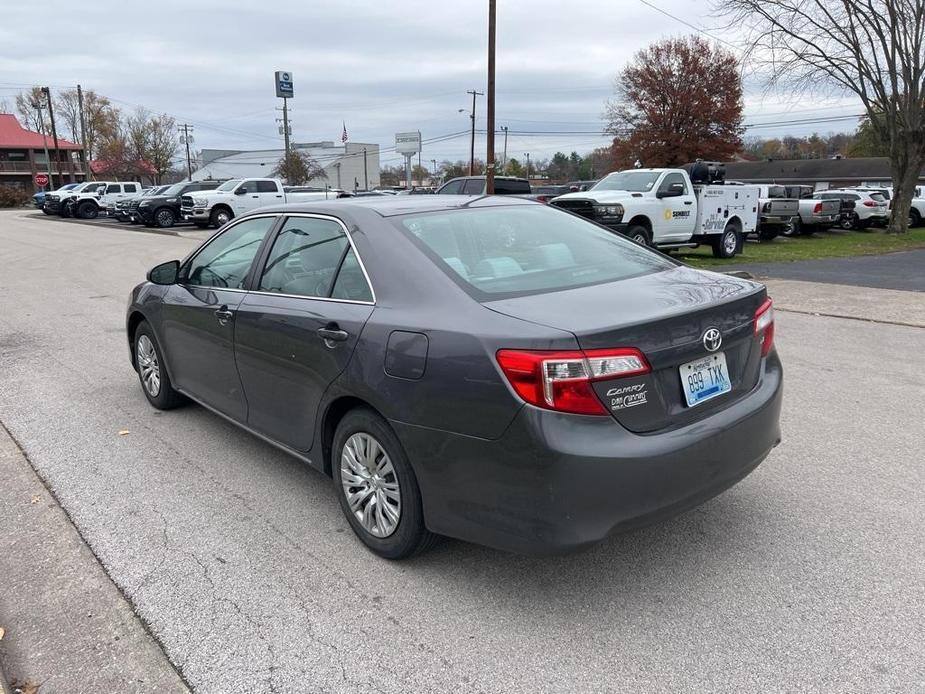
x=163 y=210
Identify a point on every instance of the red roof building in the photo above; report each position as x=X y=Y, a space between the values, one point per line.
x=22 y=156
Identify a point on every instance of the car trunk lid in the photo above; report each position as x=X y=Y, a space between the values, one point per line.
x=665 y=315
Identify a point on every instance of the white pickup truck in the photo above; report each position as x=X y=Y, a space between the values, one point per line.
x=89 y=204
x=663 y=208
x=239 y=195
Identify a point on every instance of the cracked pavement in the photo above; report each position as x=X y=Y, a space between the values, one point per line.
x=805 y=576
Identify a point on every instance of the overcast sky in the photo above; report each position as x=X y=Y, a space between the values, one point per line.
x=380 y=67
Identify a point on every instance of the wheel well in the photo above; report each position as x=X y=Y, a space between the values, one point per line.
x=332 y=417
x=221 y=206
x=133 y=321
x=736 y=222
x=641 y=221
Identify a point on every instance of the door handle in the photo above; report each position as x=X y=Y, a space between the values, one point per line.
x=688 y=202
x=224 y=315
x=332 y=333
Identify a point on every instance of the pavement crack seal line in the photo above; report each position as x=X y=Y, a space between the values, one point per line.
x=144 y=622
x=845 y=317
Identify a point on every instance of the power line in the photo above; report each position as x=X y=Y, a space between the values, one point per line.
x=692 y=26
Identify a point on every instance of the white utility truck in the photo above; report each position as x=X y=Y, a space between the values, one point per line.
x=669 y=208
x=239 y=195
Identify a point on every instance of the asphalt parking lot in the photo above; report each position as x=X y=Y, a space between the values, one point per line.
x=807 y=576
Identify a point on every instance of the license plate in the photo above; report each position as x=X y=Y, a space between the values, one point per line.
x=705 y=378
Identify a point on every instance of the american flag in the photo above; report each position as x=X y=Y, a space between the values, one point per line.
x=344 y=136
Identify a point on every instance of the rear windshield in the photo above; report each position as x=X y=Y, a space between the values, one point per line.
x=879 y=197
x=505 y=187
x=512 y=251
x=777 y=192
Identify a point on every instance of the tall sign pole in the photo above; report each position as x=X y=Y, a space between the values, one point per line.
x=37 y=105
x=285 y=91
x=504 y=156
x=185 y=128
x=365 y=171
x=490 y=126
x=408 y=144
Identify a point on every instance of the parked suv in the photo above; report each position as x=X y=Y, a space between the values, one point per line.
x=59 y=201
x=475 y=185
x=869 y=208
x=163 y=208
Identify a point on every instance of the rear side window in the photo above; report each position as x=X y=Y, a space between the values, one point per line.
x=474 y=186
x=504 y=187
x=530 y=249
x=878 y=197
x=131 y=188
x=114 y=189
x=313 y=258
x=266 y=187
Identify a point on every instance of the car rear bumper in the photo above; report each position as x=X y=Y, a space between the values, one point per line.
x=555 y=483
x=823 y=219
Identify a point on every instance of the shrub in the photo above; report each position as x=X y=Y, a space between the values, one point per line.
x=13 y=196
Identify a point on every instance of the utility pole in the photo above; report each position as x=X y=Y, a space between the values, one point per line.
x=37 y=105
x=286 y=126
x=365 y=172
x=185 y=129
x=54 y=132
x=472 y=141
x=83 y=131
x=434 y=162
x=504 y=158
x=490 y=125
x=527 y=155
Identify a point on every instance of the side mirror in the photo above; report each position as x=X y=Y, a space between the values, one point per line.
x=165 y=273
x=241 y=190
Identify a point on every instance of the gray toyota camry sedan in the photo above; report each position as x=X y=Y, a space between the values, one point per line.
x=486 y=368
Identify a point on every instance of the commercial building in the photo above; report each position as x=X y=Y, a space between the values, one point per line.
x=22 y=156
x=349 y=166
x=822 y=174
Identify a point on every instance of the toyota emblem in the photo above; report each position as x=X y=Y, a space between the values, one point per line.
x=712 y=339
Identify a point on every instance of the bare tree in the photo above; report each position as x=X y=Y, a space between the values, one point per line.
x=26 y=103
x=163 y=142
x=298 y=167
x=874 y=49
x=67 y=112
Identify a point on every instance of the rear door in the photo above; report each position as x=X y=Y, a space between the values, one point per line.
x=198 y=318
x=474 y=186
x=297 y=329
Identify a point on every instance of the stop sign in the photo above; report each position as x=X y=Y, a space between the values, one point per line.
x=41 y=180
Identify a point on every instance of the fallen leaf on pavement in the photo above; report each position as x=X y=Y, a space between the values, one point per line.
x=35 y=499
x=25 y=688
x=123 y=432
x=2 y=632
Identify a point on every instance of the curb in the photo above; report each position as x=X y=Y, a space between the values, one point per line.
x=105 y=224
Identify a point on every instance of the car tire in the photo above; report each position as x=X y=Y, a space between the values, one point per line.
x=364 y=438
x=87 y=210
x=793 y=229
x=639 y=234
x=728 y=243
x=768 y=234
x=152 y=371
x=849 y=222
x=220 y=217
x=915 y=218
x=44 y=211
x=165 y=218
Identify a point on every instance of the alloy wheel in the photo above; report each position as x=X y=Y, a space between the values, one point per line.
x=730 y=242
x=165 y=218
x=370 y=485
x=148 y=367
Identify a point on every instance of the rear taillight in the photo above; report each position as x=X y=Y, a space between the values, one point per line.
x=562 y=380
x=818 y=208
x=869 y=203
x=764 y=326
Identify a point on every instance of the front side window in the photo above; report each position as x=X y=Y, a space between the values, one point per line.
x=113 y=189
x=529 y=249
x=674 y=180
x=474 y=186
x=453 y=187
x=305 y=258
x=226 y=261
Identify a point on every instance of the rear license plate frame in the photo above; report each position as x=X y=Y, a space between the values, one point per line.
x=708 y=370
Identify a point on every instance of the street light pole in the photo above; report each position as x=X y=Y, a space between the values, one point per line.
x=504 y=156
x=490 y=125
x=472 y=141
x=54 y=132
x=527 y=155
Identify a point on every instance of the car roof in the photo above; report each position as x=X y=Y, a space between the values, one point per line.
x=497 y=178
x=394 y=205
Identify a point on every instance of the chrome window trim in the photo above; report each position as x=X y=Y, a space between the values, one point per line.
x=221 y=232
x=353 y=247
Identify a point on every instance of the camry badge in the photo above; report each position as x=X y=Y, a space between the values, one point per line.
x=712 y=339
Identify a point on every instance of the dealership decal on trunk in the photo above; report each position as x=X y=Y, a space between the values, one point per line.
x=627 y=396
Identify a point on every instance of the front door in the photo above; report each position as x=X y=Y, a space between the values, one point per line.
x=296 y=332
x=679 y=213
x=199 y=316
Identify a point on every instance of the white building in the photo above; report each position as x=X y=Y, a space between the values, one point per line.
x=354 y=165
